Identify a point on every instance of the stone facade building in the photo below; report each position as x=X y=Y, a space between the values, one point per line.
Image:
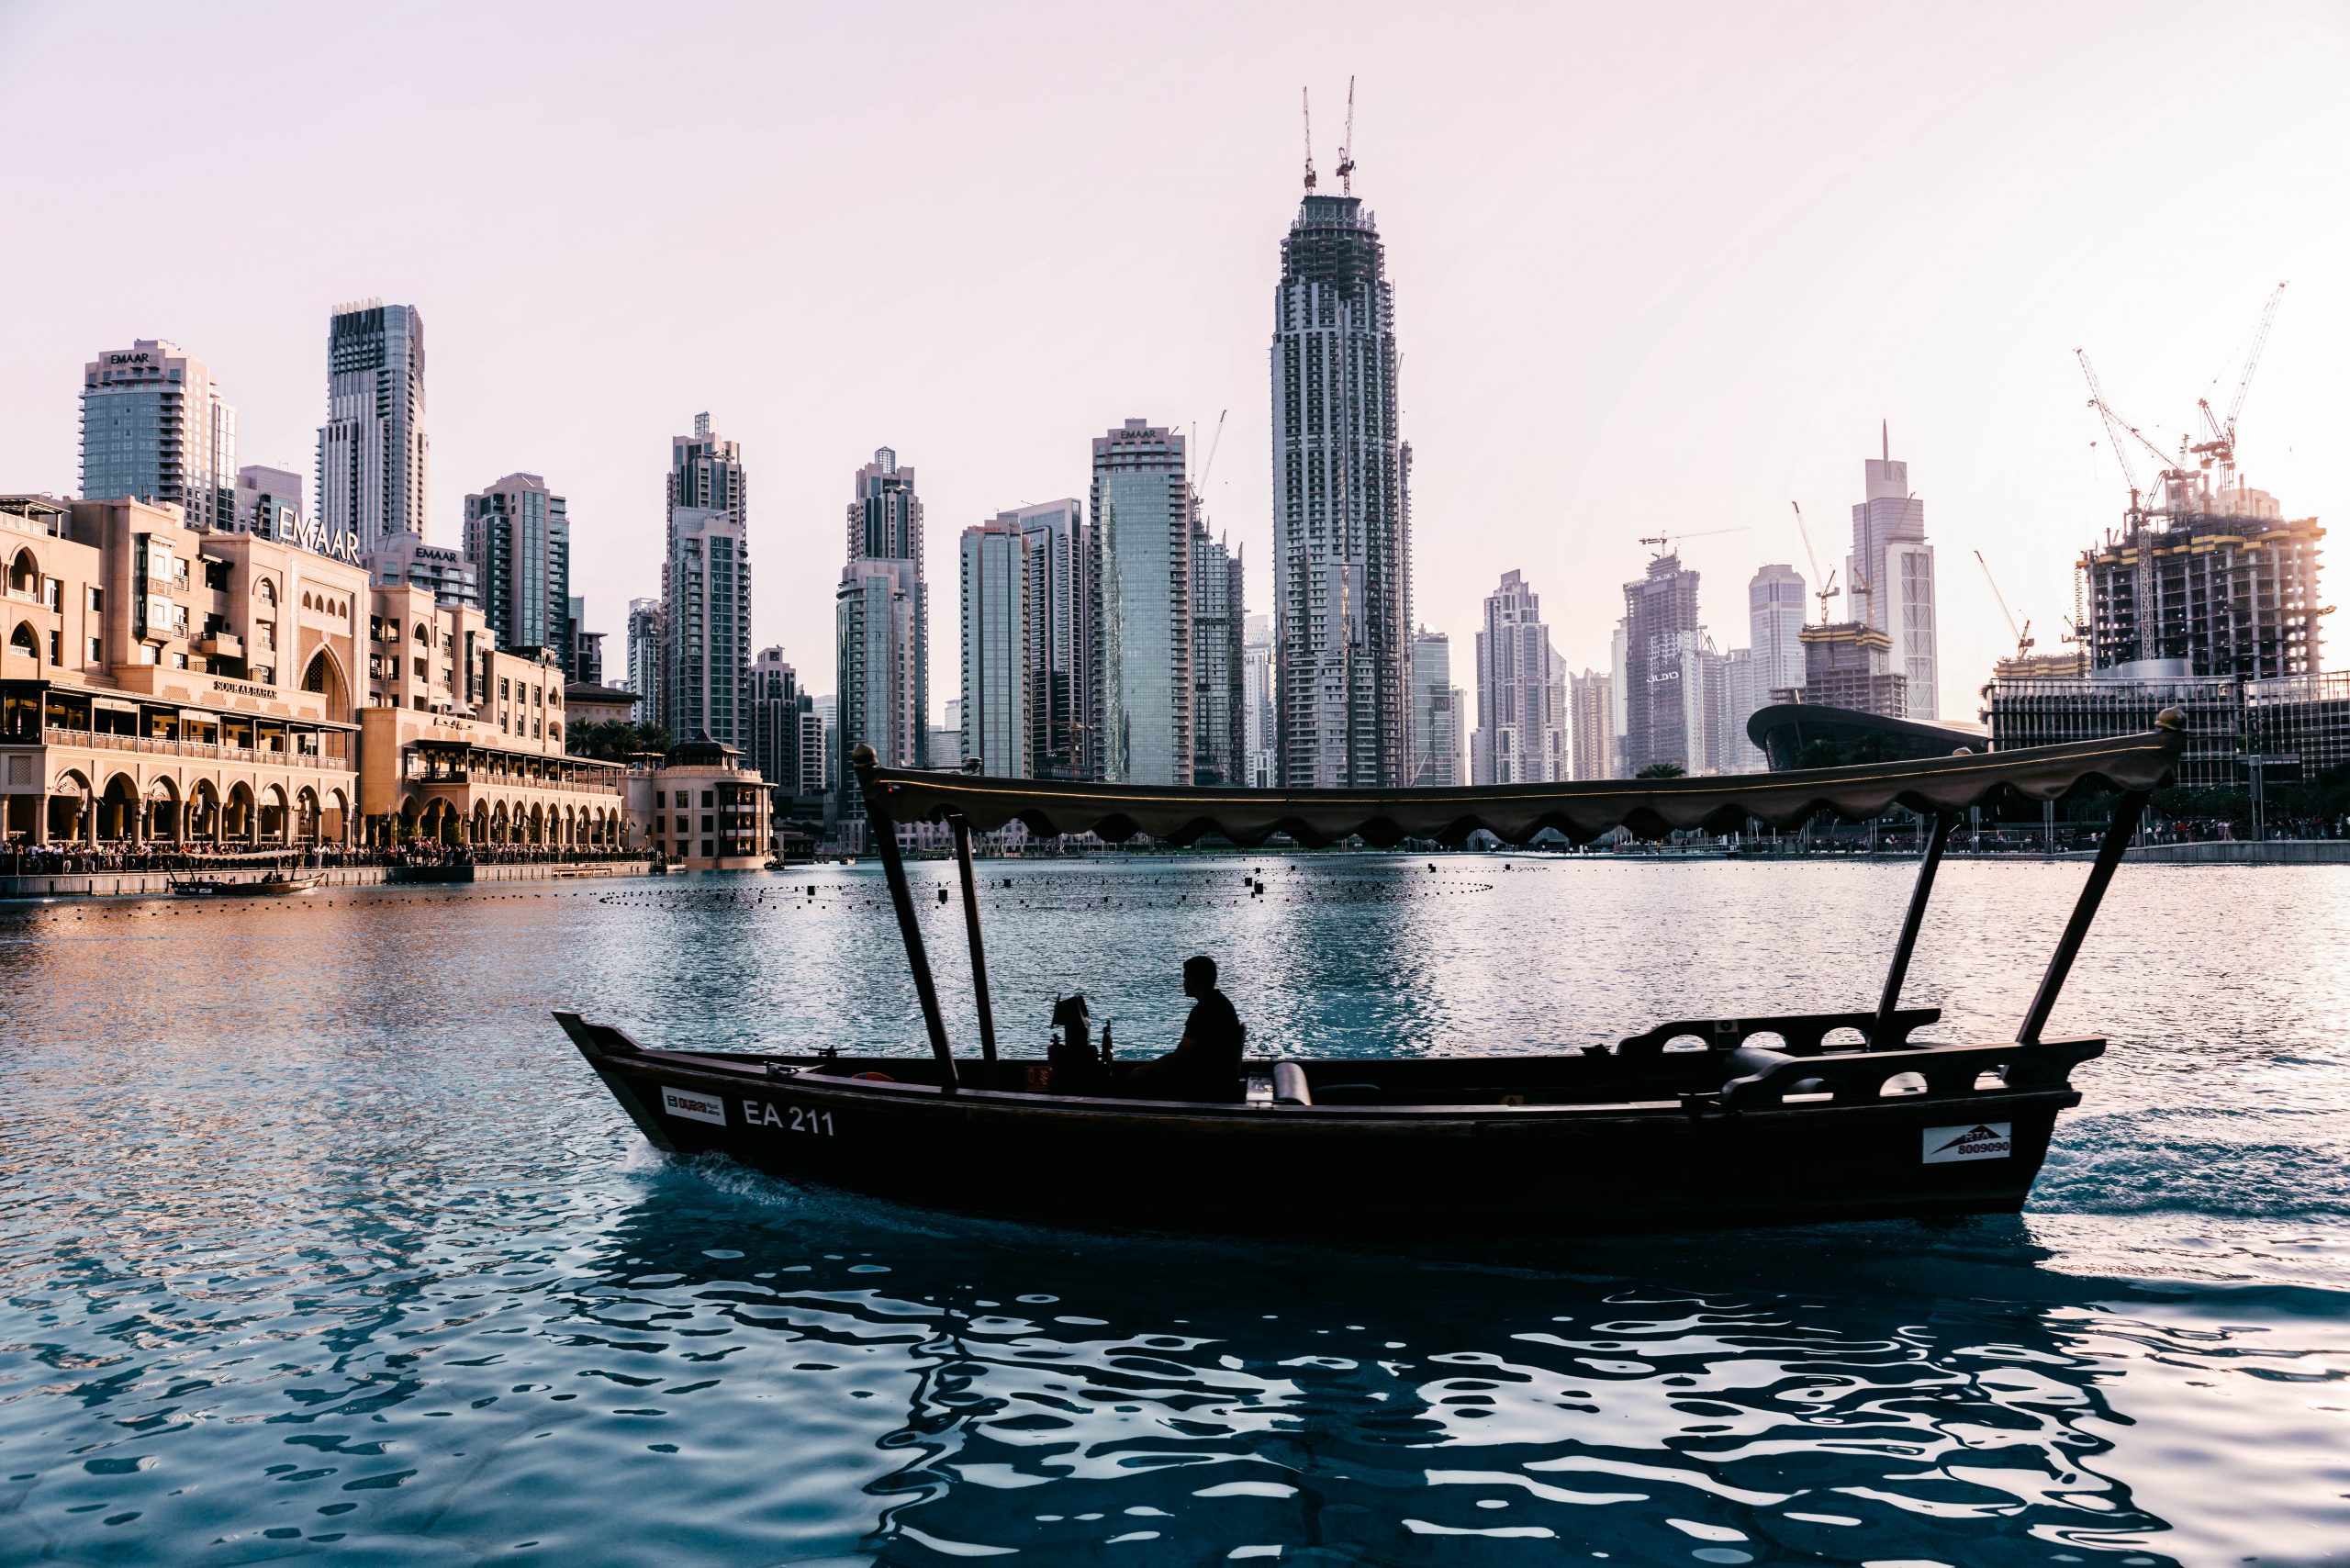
x=166 y=684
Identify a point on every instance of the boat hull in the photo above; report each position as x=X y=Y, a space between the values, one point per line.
x=1392 y=1173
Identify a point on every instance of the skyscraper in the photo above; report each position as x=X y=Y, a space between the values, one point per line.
x=646 y=645
x=1741 y=696
x=1590 y=726
x=1521 y=692
x=155 y=428
x=1062 y=608
x=997 y=707
x=1219 y=661
x=1437 y=711
x=814 y=768
x=705 y=591
x=584 y=655
x=372 y=449
x=1774 y=614
x=1619 y=707
x=518 y=536
x=1773 y=661
x=1714 y=746
x=882 y=618
x=1890 y=574
x=780 y=714
x=1142 y=539
x=1262 y=725
x=828 y=727
x=1342 y=568
x=1664 y=694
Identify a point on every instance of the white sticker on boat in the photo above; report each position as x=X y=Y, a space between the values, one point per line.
x=1984 y=1140
x=694 y=1107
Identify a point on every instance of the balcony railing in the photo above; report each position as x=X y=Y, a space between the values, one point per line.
x=509 y=780
x=208 y=751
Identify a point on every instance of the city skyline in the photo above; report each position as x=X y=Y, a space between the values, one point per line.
x=1734 y=342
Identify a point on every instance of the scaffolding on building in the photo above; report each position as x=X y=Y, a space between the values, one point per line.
x=2301 y=723
x=1849 y=664
x=2204 y=569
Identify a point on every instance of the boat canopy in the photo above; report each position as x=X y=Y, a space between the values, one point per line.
x=1515 y=812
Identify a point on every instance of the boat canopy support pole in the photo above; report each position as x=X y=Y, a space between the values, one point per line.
x=971 y=924
x=1898 y=970
x=884 y=833
x=2127 y=810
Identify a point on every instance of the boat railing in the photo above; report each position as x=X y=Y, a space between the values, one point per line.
x=1941 y=1072
x=1802 y=1034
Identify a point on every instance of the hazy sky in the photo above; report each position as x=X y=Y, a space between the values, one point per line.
x=1657 y=268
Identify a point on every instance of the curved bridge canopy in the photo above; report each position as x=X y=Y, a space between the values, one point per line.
x=1515 y=812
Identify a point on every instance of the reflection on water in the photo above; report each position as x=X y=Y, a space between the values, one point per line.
x=315 y=1235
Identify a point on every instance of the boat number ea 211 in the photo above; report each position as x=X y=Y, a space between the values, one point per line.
x=800 y=1120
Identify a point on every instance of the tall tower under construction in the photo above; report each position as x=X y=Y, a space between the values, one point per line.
x=1663 y=674
x=2212 y=579
x=2206 y=576
x=1342 y=564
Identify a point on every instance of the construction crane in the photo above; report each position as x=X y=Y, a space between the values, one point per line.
x=1346 y=147
x=1305 y=96
x=2122 y=432
x=1827 y=590
x=1662 y=540
x=1216 y=444
x=2221 y=447
x=2023 y=632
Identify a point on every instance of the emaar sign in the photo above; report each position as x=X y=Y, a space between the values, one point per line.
x=341 y=545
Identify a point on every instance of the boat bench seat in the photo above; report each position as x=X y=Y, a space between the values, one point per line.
x=1754 y=1061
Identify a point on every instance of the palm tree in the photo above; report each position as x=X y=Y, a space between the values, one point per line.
x=1660 y=770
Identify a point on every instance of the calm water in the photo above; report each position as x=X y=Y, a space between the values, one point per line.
x=316 y=1239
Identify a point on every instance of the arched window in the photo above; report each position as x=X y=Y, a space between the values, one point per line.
x=323 y=676
x=421 y=640
x=23 y=640
x=24 y=572
x=308 y=603
x=268 y=591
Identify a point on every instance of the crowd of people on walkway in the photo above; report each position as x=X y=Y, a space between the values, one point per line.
x=426 y=852
x=20 y=858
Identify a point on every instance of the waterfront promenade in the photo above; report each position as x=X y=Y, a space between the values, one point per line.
x=51 y=874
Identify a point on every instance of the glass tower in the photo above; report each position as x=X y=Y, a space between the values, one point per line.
x=518 y=535
x=1142 y=535
x=154 y=428
x=998 y=617
x=706 y=592
x=1062 y=608
x=882 y=618
x=372 y=464
x=1890 y=574
x=1342 y=559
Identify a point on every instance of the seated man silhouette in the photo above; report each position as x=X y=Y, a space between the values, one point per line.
x=1207 y=1064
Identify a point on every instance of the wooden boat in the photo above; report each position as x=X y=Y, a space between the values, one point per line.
x=1692 y=1124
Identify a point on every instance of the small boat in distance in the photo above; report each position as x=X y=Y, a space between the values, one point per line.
x=1702 y=1122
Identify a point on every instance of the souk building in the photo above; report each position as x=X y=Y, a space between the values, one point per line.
x=165 y=686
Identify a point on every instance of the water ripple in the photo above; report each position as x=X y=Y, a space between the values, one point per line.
x=358 y=1259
